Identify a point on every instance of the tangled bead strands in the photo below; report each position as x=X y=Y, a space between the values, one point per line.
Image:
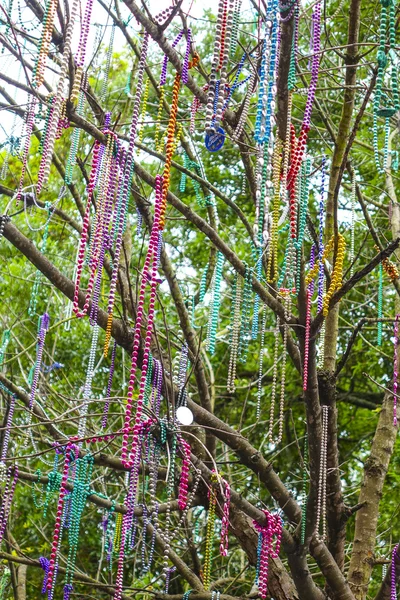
x=149 y=272
x=123 y=193
x=301 y=145
x=266 y=549
x=48 y=156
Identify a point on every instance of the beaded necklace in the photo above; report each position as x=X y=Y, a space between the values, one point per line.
x=309 y=294
x=352 y=226
x=87 y=389
x=215 y=304
x=109 y=385
x=321 y=219
x=215 y=96
x=235 y=27
x=266 y=548
x=103 y=92
x=124 y=188
x=393 y=577
x=44 y=170
x=287 y=311
x=395 y=368
x=223 y=547
x=261 y=360
x=43 y=326
x=4 y=581
x=304 y=492
x=266 y=93
x=244 y=338
x=235 y=332
x=273 y=244
x=321 y=500
x=208 y=553
x=382 y=59
x=38 y=275
x=380 y=305
x=5 y=340
x=70 y=453
x=81 y=490
x=302 y=141
x=7 y=497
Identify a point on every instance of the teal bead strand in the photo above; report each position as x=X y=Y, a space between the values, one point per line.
x=215 y=304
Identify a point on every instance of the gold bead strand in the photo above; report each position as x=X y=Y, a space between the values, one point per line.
x=337 y=274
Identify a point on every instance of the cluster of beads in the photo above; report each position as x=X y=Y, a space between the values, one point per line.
x=266 y=548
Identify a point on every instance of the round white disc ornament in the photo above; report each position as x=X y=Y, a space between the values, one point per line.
x=184 y=415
